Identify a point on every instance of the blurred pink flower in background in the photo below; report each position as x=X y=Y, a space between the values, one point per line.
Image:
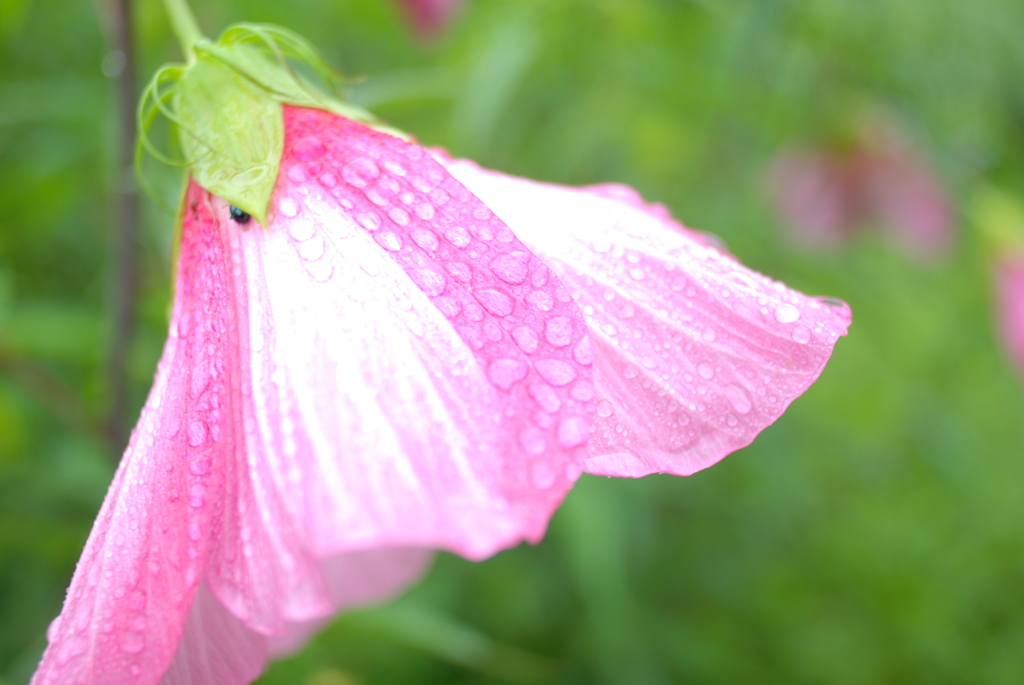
x=1009 y=282
x=428 y=18
x=825 y=194
x=417 y=354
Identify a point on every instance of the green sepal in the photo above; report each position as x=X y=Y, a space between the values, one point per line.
x=231 y=130
x=225 y=107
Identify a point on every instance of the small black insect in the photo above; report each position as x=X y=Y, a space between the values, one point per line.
x=238 y=216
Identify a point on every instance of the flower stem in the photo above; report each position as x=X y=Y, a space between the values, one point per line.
x=185 y=27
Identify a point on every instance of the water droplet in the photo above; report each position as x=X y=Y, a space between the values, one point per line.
x=360 y=172
x=739 y=399
x=582 y=391
x=399 y=216
x=786 y=313
x=425 y=239
x=382 y=193
x=328 y=180
x=731 y=419
x=424 y=211
x=369 y=220
x=802 y=335
x=195 y=533
x=459 y=271
x=572 y=431
x=389 y=241
x=541 y=299
x=511 y=267
x=705 y=370
x=428 y=181
x=197 y=496
x=558 y=331
x=288 y=208
x=458 y=236
x=200 y=466
x=533 y=442
x=301 y=230
x=604 y=409
x=546 y=397
x=556 y=372
x=300 y=173
x=542 y=475
x=526 y=338
x=133 y=642
x=495 y=302
x=308 y=149
x=630 y=371
x=312 y=250
x=394 y=167
x=583 y=353
x=430 y=282
x=505 y=373
x=637 y=273
x=197 y=433
x=709 y=335
x=448 y=306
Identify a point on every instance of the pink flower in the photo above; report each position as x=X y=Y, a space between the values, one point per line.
x=417 y=354
x=429 y=17
x=825 y=195
x=1009 y=280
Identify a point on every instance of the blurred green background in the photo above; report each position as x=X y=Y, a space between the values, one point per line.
x=875 y=534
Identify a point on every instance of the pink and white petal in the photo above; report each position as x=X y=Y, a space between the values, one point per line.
x=694 y=354
x=128 y=601
x=404 y=390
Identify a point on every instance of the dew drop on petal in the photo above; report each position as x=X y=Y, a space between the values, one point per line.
x=572 y=432
x=197 y=433
x=738 y=398
x=541 y=473
x=458 y=236
x=360 y=172
x=389 y=241
x=556 y=372
x=802 y=335
x=288 y=208
x=133 y=642
x=505 y=373
x=308 y=149
x=604 y=409
x=546 y=397
x=301 y=230
x=786 y=313
x=430 y=282
x=526 y=338
x=541 y=299
x=425 y=239
x=495 y=302
x=558 y=331
x=705 y=370
x=510 y=267
x=583 y=353
x=369 y=220
x=312 y=250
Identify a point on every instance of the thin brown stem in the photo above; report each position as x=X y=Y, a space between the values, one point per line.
x=125 y=215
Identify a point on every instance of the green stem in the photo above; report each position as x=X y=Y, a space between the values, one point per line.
x=185 y=27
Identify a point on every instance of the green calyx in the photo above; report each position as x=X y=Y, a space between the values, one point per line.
x=225 y=110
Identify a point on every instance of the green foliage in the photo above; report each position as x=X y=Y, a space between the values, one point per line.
x=873 y=535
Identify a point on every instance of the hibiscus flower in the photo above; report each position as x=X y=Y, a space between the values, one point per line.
x=376 y=351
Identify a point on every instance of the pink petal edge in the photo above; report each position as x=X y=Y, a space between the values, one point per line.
x=694 y=354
